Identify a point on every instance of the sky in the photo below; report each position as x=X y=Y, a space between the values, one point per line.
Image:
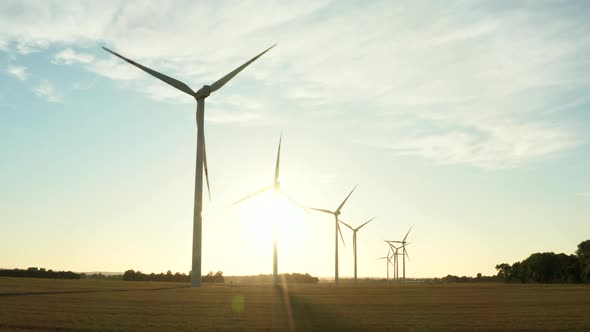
x=468 y=120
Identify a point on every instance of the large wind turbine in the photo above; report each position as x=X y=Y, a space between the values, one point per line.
x=337 y=230
x=404 y=252
x=354 y=230
x=199 y=96
x=277 y=190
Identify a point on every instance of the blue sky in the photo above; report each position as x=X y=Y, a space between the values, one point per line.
x=468 y=120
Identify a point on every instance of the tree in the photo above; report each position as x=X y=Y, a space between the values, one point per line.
x=583 y=255
x=504 y=271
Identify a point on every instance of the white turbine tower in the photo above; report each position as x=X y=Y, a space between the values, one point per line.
x=387 y=262
x=396 y=254
x=277 y=190
x=404 y=252
x=199 y=96
x=354 y=231
x=337 y=230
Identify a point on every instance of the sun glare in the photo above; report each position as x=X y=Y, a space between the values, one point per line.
x=259 y=215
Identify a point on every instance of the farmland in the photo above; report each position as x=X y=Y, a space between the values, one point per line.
x=102 y=305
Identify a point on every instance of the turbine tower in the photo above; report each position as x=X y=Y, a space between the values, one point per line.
x=354 y=231
x=201 y=163
x=387 y=262
x=404 y=252
x=337 y=230
x=277 y=190
x=395 y=258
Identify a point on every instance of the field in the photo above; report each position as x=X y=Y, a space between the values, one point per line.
x=93 y=305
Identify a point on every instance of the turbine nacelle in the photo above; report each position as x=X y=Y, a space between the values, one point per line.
x=203 y=92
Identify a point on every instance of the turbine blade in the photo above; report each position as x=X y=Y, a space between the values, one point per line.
x=321 y=210
x=222 y=81
x=345 y=224
x=344 y=202
x=391 y=245
x=293 y=200
x=361 y=226
x=257 y=192
x=167 y=79
x=405 y=237
x=278 y=160
x=341 y=237
x=406 y=253
x=205 y=166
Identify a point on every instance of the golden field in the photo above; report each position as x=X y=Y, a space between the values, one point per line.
x=102 y=305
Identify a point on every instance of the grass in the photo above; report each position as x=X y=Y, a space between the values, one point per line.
x=97 y=305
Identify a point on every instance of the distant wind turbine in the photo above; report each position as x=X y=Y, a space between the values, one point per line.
x=396 y=255
x=337 y=230
x=200 y=96
x=277 y=190
x=387 y=262
x=354 y=231
x=404 y=253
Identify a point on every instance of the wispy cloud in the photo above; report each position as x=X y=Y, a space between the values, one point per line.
x=69 y=56
x=19 y=72
x=48 y=92
x=472 y=82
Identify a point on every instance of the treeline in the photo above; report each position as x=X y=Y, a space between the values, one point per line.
x=548 y=267
x=290 y=278
x=101 y=276
x=34 y=272
x=131 y=275
x=479 y=278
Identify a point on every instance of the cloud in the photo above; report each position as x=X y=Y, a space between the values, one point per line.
x=69 y=56
x=19 y=72
x=463 y=83
x=503 y=146
x=46 y=91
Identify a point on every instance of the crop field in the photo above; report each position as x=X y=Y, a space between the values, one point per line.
x=97 y=305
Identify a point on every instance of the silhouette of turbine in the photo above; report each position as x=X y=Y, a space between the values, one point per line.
x=404 y=252
x=354 y=231
x=336 y=214
x=387 y=262
x=200 y=96
x=395 y=258
x=277 y=190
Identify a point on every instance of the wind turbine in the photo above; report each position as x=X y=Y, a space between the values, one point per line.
x=277 y=190
x=387 y=262
x=199 y=96
x=337 y=230
x=354 y=230
x=404 y=253
x=395 y=258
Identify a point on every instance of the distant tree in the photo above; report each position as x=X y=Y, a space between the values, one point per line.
x=504 y=271
x=479 y=276
x=129 y=275
x=210 y=277
x=34 y=272
x=583 y=255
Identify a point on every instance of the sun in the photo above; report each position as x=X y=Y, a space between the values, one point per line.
x=260 y=215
